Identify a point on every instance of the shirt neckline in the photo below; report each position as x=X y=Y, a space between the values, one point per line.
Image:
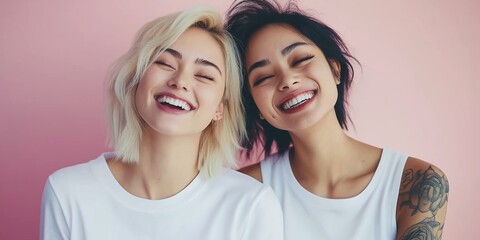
x=104 y=174
x=336 y=202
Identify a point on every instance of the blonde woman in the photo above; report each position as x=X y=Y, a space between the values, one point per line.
x=174 y=115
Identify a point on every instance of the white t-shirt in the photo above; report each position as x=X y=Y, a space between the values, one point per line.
x=371 y=215
x=86 y=202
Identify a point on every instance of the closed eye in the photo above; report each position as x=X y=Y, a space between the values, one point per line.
x=206 y=77
x=261 y=80
x=164 y=64
x=303 y=59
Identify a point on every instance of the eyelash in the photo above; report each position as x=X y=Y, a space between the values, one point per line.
x=164 y=64
x=294 y=64
x=260 y=80
x=206 y=77
x=201 y=76
x=303 y=59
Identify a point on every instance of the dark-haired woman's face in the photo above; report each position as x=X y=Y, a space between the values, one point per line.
x=290 y=79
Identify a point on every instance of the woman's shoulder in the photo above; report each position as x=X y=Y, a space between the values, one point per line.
x=417 y=172
x=238 y=179
x=251 y=201
x=245 y=186
x=243 y=189
x=255 y=170
x=76 y=175
x=424 y=187
x=415 y=163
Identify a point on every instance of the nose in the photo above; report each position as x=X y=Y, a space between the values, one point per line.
x=180 y=81
x=288 y=81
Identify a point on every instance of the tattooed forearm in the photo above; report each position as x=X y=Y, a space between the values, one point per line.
x=427 y=191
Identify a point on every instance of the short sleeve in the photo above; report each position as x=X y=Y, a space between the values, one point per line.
x=53 y=224
x=265 y=220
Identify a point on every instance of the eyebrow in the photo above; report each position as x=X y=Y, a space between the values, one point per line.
x=200 y=61
x=292 y=46
x=261 y=63
x=284 y=52
x=174 y=53
x=207 y=63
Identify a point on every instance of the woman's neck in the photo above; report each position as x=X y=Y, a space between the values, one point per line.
x=167 y=165
x=320 y=149
x=324 y=158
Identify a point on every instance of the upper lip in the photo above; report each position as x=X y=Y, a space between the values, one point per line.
x=292 y=95
x=161 y=94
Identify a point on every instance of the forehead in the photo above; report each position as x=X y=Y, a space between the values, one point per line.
x=199 y=43
x=271 y=39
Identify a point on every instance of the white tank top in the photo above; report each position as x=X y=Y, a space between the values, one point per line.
x=368 y=216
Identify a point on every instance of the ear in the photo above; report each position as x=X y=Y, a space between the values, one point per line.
x=335 y=65
x=219 y=112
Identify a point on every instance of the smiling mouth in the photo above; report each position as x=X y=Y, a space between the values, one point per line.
x=297 y=101
x=174 y=103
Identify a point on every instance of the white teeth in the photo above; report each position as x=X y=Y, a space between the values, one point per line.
x=174 y=102
x=297 y=101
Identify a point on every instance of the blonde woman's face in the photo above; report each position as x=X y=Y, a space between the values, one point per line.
x=181 y=92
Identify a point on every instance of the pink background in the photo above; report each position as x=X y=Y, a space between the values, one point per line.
x=418 y=91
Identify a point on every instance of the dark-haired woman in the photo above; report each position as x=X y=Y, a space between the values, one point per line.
x=297 y=77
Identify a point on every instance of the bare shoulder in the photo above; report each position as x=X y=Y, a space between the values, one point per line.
x=420 y=177
x=253 y=171
x=418 y=164
x=422 y=201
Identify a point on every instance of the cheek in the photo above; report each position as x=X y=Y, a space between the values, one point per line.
x=325 y=81
x=140 y=102
x=261 y=99
x=140 y=93
x=211 y=97
x=143 y=98
x=255 y=96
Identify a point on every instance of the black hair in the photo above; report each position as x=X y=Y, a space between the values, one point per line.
x=244 y=18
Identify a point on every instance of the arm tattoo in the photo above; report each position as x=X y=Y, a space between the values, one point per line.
x=424 y=230
x=427 y=192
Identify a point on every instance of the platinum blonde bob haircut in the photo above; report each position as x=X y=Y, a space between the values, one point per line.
x=220 y=140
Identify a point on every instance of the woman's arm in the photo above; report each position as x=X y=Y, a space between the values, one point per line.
x=422 y=201
x=53 y=224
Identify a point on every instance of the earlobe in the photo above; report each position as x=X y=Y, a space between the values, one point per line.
x=219 y=113
x=217 y=116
